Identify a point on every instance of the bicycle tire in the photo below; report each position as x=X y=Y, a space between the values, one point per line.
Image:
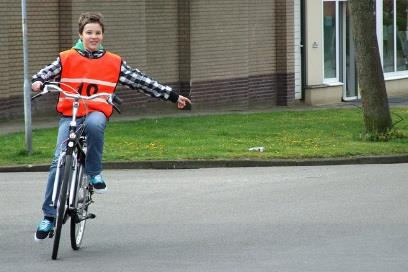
x=62 y=202
x=82 y=198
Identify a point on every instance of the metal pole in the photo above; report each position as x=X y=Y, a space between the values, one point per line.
x=27 y=85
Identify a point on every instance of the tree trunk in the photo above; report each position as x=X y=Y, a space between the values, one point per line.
x=377 y=117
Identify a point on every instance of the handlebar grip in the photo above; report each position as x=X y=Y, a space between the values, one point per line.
x=116 y=99
x=41 y=89
x=115 y=102
x=45 y=83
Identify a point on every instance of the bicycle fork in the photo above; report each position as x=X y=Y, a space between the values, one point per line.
x=57 y=180
x=73 y=184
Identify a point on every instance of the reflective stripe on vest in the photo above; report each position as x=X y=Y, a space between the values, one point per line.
x=87 y=77
x=88 y=80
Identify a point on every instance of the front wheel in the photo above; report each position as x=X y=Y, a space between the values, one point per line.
x=82 y=201
x=62 y=203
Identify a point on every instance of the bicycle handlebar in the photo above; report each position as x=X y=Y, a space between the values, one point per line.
x=111 y=98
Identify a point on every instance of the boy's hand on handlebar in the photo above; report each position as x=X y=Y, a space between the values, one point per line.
x=182 y=102
x=36 y=86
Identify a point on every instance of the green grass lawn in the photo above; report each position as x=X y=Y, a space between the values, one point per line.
x=284 y=134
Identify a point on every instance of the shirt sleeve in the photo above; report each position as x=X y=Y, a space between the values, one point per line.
x=52 y=71
x=135 y=79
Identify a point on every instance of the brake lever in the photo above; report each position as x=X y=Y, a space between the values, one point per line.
x=116 y=108
x=35 y=96
x=39 y=94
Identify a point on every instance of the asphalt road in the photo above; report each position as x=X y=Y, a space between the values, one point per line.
x=320 y=218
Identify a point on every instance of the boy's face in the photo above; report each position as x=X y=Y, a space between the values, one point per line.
x=92 y=36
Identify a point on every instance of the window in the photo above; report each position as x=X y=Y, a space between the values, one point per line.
x=388 y=36
x=330 y=40
x=402 y=38
x=394 y=35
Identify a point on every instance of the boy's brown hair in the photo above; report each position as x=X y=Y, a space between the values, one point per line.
x=90 y=17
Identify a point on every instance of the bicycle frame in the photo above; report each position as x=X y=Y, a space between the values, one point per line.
x=68 y=185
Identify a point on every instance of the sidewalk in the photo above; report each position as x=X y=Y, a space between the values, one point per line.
x=17 y=125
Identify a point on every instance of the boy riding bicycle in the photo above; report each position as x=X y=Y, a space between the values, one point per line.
x=89 y=68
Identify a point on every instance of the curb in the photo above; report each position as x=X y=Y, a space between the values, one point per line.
x=195 y=164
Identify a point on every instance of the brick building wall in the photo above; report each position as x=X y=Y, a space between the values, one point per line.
x=241 y=53
x=43 y=44
x=285 y=51
x=226 y=54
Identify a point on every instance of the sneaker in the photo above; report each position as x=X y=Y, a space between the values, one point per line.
x=98 y=184
x=44 y=228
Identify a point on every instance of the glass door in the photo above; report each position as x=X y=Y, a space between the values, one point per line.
x=339 y=53
x=350 y=89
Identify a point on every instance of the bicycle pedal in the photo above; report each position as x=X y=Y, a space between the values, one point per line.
x=91 y=216
x=51 y=234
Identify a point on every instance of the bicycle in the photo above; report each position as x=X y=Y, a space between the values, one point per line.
x=72 y=192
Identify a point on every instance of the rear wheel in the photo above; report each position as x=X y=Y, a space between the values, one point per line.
x=62 y=203
x=82 y=201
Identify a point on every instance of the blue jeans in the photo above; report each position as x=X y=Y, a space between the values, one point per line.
x=95 y=128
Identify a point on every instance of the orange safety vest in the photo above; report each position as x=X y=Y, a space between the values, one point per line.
x=88 y=76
